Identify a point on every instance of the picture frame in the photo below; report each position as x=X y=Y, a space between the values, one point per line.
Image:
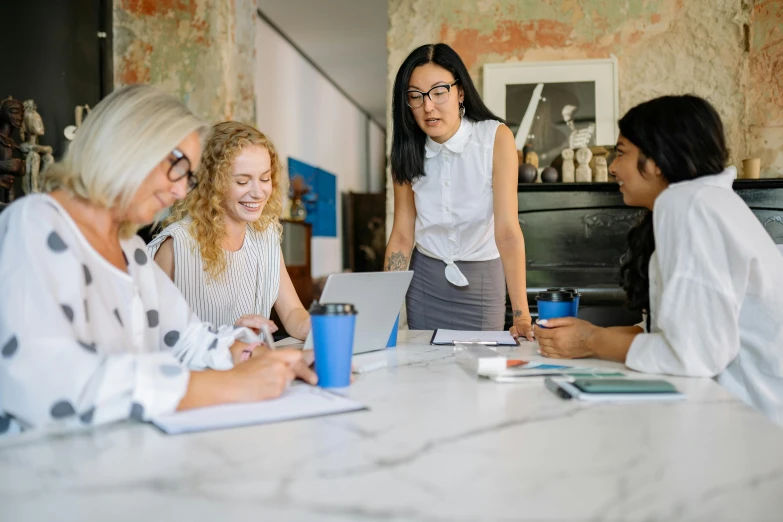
x=561 y=104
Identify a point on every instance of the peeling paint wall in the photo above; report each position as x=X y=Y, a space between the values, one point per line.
x=662 y=47
x=202 y=51
x=765 y=94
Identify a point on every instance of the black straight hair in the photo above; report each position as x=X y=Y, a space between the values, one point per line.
x=684 y=136
x=407 y=154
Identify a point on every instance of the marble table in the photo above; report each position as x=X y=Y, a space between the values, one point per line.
x=438 y=444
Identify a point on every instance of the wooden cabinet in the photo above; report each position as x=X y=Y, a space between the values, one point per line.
x=296 y=253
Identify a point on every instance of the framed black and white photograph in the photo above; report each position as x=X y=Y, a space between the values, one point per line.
x=551 y=106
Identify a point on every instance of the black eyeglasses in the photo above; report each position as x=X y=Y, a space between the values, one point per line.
x=438 y=94
x=180 y=167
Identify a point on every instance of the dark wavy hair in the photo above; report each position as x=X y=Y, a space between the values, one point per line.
x=407 y=154
x=684 y=136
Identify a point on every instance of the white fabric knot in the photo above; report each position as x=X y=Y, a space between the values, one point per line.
x=453 y=274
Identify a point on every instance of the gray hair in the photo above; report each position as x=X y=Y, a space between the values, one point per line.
x=124 y=137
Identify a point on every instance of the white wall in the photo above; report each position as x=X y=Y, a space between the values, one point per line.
x=308 y=119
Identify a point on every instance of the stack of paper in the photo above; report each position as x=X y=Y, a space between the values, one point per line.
x=299 y=401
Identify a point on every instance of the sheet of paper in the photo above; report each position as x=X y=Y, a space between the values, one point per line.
x=511 y=369
x=502 y=338
x=299 y=401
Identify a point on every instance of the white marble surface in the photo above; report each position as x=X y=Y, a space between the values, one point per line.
x=438 y=445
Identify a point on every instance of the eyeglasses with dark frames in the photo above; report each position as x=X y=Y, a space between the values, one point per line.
x=180 y=167
x=438 y=94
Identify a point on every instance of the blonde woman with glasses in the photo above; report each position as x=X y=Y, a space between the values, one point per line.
x=91 y=330
x=222 y=243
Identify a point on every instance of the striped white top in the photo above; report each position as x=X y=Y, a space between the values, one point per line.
x=248 y=286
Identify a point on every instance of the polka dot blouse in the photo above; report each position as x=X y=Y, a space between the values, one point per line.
x=82 y=342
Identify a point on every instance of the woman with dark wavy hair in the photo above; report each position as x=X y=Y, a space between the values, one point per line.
x=700 y=265
x=454 y=166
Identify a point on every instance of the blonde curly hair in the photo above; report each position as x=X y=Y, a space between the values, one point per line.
x=206 y=204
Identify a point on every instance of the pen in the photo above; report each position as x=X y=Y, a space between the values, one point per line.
x=267 y=337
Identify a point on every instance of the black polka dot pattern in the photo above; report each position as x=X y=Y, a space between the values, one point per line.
x=87 y=275
x=5 y=423
x=171 y=338
x=170 y=370
x=62 y=409
x=89 y=347
x=56 y=243
x=140 y=256
x=117 y=315
x=137 y=412
x=68 y=311
x=213 y=345
x=10 y=347
x=153 y=318
x=87 y=416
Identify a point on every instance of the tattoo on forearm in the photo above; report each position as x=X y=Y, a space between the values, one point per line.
x=396 y=262
x=517 y=313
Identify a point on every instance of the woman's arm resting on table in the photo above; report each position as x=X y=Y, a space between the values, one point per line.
x=571 y=338
x=508 y=233
x=295 y=319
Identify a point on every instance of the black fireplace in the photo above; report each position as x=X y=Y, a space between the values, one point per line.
x=575 y=234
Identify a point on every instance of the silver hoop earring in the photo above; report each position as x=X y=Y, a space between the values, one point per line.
x=461 y=109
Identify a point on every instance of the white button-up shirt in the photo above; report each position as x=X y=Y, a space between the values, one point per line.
x=455 y=218
x=716 y=294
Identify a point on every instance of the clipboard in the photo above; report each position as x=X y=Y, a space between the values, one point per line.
x=443 y=337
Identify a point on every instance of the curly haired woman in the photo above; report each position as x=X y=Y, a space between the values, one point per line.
x=222 y=243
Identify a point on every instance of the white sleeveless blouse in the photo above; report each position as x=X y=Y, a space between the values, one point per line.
x=455 y=218
x=249 y=285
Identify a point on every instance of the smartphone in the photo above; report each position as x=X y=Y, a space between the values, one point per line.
x=624 y=386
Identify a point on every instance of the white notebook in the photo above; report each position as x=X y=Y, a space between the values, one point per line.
x=490 y=338
x=299 y=401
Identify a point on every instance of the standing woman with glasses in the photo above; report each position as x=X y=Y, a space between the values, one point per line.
x=91 y=330
x=222 y=243
x=454 y=166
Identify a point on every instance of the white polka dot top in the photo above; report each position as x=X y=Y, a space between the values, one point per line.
x=83 y=342
x=249 y=285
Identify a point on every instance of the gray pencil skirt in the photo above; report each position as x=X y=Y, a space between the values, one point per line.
x=432 y=302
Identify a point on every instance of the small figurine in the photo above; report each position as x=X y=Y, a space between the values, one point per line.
x=11 y=117
x=601 y=170
x=532 y=158
x=37 y=157
x=568 y=165
x=583 y=172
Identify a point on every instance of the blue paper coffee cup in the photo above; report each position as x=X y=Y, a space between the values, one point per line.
x=333 y=327
x=392 y=342
x=554 y=304
x=577 y=295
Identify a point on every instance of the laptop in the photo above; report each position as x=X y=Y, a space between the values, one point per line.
x=377 y=297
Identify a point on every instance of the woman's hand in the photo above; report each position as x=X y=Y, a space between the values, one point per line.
x=522 y=327
x=303 y=368
x=255 y=322
x=265 y=377
x=564 y=338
